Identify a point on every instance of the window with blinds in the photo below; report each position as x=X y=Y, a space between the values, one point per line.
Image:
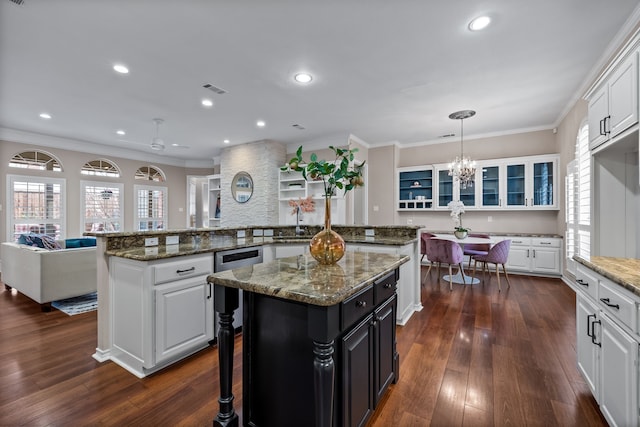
x=102 y=206
x=36 y=205
x=578 y=201
x=151 y=207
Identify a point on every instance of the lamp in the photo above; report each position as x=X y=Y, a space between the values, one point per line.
x=463 y=168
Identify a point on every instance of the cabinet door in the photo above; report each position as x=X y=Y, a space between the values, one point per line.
x=445 y=188
x=357 y=374
x=543 y=190
x=184 y=317
x=385 y=347
x=519 y=258
x=490 y=184
x=468 y=195
x=586 y=350
x=598 y=111
x=516 y=185
x=623 y=97
x=545 y=260
x=618 y=376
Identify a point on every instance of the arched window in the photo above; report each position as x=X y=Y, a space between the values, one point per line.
x=150 y=173
x=38 y=160
x=578 y=201
x=100 y=167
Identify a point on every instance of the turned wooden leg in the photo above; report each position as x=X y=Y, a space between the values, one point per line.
x=323 y=380
x=226 y=301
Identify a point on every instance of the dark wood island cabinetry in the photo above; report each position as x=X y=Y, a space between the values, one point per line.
x=319 y=342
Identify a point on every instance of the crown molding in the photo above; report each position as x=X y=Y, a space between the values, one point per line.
x=32 y=138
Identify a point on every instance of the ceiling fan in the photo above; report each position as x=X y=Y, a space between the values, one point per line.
x=157 y=143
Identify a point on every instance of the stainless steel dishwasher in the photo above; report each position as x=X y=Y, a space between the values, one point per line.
x=236 y=258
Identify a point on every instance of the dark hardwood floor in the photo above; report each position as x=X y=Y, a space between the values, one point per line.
x=471 y=357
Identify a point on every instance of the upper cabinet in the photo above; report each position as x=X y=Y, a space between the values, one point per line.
x=613 y=106
x=522 y=183
x=415 y=188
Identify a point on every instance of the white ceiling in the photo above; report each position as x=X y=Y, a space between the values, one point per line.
x=384 y=71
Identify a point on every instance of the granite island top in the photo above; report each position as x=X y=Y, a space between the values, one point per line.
x=300 y=278
x=623 y=271
x=219 y=243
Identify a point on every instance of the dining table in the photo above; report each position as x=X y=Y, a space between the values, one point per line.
x=460 y=277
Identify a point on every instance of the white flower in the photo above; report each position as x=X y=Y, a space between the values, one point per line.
x=457 y=209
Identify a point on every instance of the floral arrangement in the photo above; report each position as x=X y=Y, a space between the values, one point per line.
x=457 y=209
x=302 y=205
x=337 y=174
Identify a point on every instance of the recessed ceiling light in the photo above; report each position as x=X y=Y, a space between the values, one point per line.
x=121 y=132
x=45 y=116
x=261 y=123
x=479 y=23
x=207 y=103
x=121 y=69
x=226 y=141
x=303 y=77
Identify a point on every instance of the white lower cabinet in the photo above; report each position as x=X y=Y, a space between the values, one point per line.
x=161 y=311
x=536 y=255
x=607 y=347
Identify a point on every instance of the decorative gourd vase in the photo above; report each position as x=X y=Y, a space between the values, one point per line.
x=460 y=234
x=327 y=247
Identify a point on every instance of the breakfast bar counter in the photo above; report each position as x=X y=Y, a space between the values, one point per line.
x=318 y=341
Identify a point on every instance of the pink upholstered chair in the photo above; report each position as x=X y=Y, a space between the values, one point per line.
x=423 y=244
x=477 y=248
x=498 y=254
x=447 y=252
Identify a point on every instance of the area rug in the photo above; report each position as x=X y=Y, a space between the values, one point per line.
x=77 y=305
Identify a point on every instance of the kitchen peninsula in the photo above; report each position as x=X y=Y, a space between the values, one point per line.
x=318 y=341
x=147 y=281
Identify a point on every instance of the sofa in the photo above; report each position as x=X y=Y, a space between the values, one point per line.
x=46 y=275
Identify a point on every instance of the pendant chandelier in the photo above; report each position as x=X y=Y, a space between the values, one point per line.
x=463 y=168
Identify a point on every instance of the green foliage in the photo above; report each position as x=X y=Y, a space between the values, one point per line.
x=341 y=173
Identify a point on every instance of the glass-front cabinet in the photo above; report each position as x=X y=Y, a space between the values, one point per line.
x=490 y=186
x=530 y=183
x=519 y=183
x=415 y=188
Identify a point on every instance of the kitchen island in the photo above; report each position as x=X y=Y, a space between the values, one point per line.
x=318 y=341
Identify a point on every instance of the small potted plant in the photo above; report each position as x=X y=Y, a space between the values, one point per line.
x=457 y=209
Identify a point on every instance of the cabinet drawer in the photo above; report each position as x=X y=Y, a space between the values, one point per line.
x=384 y=287
x=519 y=241
x=548 y=243
x=182 y=269
x=587 y=281
x=356 y=307
x=613 y=301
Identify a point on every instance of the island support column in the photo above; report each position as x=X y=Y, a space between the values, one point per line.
x=323 y=329
x=225 y=302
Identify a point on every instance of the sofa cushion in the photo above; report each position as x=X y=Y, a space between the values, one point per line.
x=83 y=242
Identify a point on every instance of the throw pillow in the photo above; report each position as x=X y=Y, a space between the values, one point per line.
x=72 y=243
x=49 y=242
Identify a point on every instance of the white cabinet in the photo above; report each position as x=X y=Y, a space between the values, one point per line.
x=161 y=310
x=293 y=187
x=534 y=255
x=607 y=346
x=517 y=183
x=613 y=108
x=587 y=345
x=414 y=188
x=408 y=288
x=213 y=182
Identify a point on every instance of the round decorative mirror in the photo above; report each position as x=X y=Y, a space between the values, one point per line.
x=242 y=187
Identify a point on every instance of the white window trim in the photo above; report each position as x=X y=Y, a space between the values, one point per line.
x=38 y=179
x=165 y=204
x=84 y=184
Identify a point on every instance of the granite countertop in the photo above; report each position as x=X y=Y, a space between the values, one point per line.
x=541 y=235
x=300 y=278
x=623 y=271
x=220 y=243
